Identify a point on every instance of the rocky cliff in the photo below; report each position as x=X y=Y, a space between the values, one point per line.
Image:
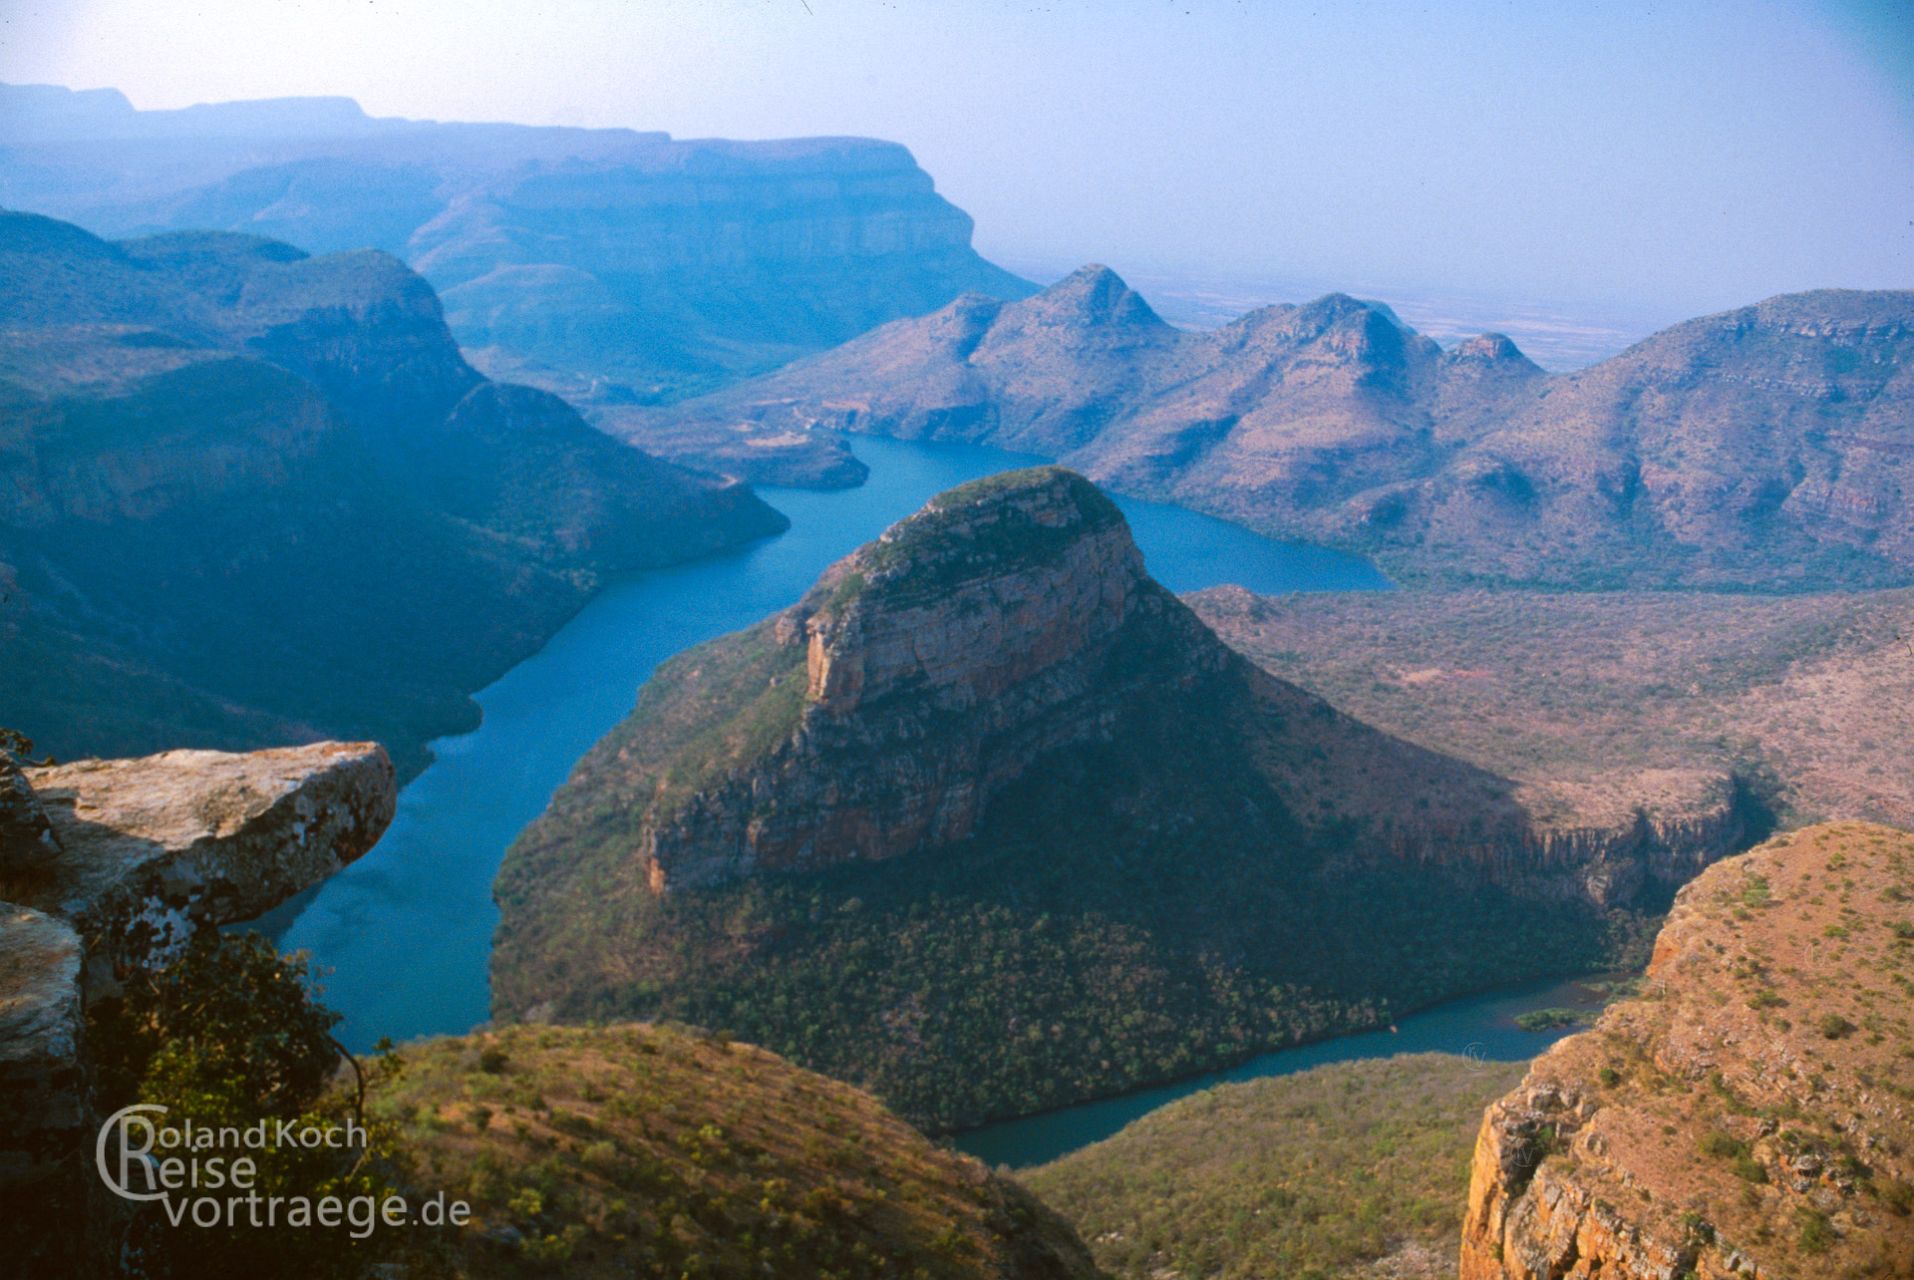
x=928 y=672
x=1764 y=447
x=111 y=866
x=224 y=462
x=1748 y=1116
x=603 y=264
x=988 y=775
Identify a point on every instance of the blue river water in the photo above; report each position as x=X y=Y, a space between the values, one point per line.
x=403 y=936
x=1479 y=1027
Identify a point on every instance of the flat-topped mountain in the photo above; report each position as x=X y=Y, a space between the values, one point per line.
x=252 y=495
x=990 y=821
x=1761 y=448
x=1748 y=1116
x=604 y=264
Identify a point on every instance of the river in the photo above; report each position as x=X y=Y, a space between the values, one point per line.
x=402 y=937
x=1479 y=1027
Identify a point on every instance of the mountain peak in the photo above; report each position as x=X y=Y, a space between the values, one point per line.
x=1488 y=351
x=999 y=519
x=976 y=552
x=1094 y=294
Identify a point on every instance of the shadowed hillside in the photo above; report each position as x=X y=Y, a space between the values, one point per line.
x=251 y=495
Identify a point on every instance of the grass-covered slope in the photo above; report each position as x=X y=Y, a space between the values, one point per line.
x=642 y=1151
x=1353 y=1170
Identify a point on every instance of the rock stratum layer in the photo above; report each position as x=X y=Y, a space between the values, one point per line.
x=1748 y=1118
x=1765 y=447
x=988 y=777
x=603 y=264
x=226 y=466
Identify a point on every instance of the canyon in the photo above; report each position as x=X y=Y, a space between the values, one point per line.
x=988 y=776
x=607 y=265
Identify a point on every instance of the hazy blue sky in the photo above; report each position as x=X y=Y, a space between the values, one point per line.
x=1680 y=156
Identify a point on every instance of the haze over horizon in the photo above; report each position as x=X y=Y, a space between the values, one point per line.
x=1654 y=161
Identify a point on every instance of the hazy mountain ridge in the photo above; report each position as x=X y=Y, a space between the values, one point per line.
x=605 y=264
x=1764 y=448
x=253 y=495
x=986 y=777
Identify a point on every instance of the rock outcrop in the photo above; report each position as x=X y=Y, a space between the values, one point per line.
x=226 y=466
x=26 y=837
x=1764 y=447
x=603 y=264
x=150 y=851
x=992 y=725
x=154 y=849
x=1747 y=1117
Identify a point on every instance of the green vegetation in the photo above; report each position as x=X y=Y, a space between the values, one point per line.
x=732 y=728
x=1548 y=1019
x=623 y=1151
x=657 y=1152
x=1306 y=1175
x=947 y=541
x=1076 y=946
x=231 y=1034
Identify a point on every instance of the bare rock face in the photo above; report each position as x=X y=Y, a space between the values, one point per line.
x=26 y=838
x=1748 y=1116
x=158 y=847
x=936 y=663
x=42 y=1090
x=150 y=850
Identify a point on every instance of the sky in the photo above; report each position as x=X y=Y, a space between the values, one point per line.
x=1673 y=157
